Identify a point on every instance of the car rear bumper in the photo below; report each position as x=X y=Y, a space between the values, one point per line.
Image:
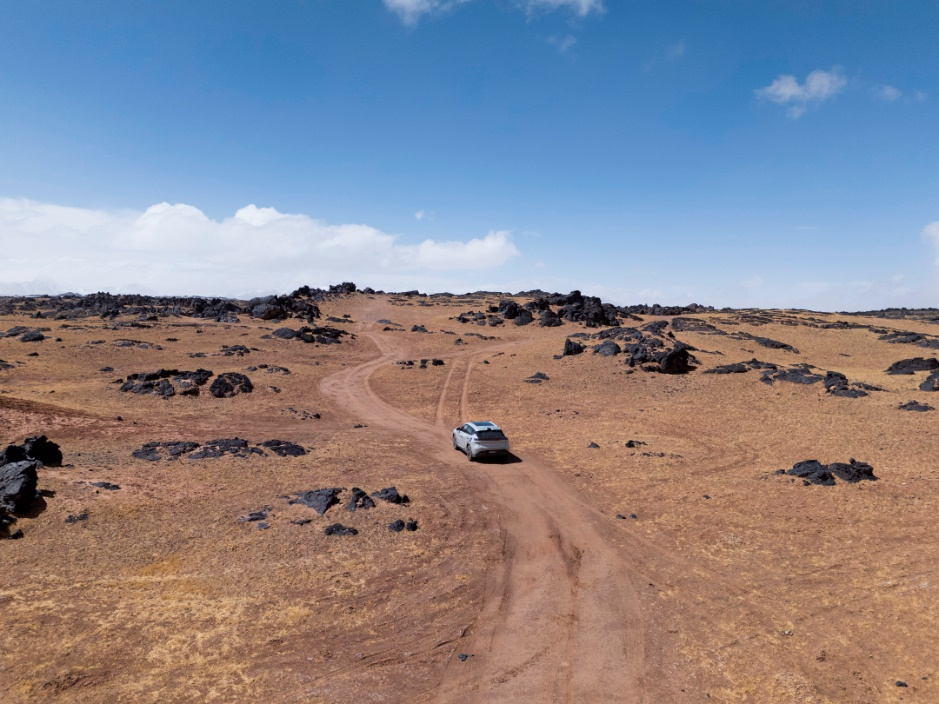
x=490 y=451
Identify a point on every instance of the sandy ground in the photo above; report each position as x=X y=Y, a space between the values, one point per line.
x=723 y=582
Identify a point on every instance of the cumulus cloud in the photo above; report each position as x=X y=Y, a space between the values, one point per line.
x=818 y=87
x=179 y=249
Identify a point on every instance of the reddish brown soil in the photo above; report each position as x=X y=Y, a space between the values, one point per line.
x=731 y=583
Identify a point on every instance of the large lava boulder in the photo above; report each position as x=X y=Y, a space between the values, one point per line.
x=524 y=317
x=40 y=448
x=676 y=361
x=607 y=348
x=571 y=347
x=509 y=309
x=931 y=383
x=267 y=311
x=18 y=482
x=229 y=384
x=549 y=319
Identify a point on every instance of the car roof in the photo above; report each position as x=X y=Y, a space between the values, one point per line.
x=483 y=425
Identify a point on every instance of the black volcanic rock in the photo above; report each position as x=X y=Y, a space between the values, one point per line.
x=765 y=342
x=799 y=374
x=18 y=481
x=915 y=406
x=391 y=495
x=319 y=500
x=676 y=361
x=814 y=472
x=40 y=448
x=836 y=384
x=916 y=364
x=524 y=317
x=607 y=348
x=230 y=384
x=339 y=529
x=931 y=382
x=852 y=472
x=737 y=368
x=549 y=319
x=359 y=500
x=282 y=448
x=572 y=348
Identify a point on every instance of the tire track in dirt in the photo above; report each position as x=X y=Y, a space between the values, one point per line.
x=560 y=620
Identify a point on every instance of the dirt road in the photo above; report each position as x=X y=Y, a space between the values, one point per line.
x=560 y=620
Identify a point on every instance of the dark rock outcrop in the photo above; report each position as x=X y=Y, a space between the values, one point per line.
x=18 y=482
x=572 y=348
x=319 y=500
x=230 y=384
x=339 y=529
x=916 y=406
x=814 y=472
x=524 y=317
x=607 y=348
x=916 y=364
x=836 y=384
x=797 y=374
x=737 y=368
x=931 y=382
x=391 y=495
x=359 y=500
x=282 y=448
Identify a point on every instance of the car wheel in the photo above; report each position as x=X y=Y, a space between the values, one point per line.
x=456 y=445
x=469 y=453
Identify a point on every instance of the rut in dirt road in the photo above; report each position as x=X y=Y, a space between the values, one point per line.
x=560 y=620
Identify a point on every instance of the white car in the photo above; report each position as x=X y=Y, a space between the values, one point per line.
x=480 y=439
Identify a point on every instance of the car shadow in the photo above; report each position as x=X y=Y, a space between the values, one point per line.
x=510 y=458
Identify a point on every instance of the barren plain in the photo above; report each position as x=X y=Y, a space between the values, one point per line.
x=668 y=562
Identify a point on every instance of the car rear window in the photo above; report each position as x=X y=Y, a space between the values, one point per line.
x=490 y=434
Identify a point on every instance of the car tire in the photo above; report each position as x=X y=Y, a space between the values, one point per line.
x=469 y=453
x=455 y=445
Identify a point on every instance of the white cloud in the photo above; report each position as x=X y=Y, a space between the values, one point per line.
x=886 y=93
x=818 y=87
x=410 y=11
x=920 y=96
x=676 y=51
x=563 y=44
x=582 y=8
x=178 y=249
x=420 y=215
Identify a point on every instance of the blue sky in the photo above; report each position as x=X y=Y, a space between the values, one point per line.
x=731 y=153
